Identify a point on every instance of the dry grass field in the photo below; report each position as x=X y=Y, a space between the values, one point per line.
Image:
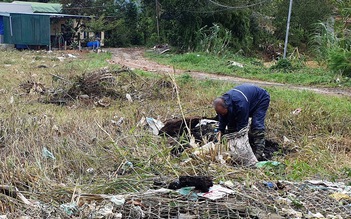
x=97 y=145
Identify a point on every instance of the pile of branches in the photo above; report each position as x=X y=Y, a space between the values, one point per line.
x=98 y=84
x=100 y=88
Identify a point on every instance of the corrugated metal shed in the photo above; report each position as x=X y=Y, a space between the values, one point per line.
x=19 y=25
x=27 y=29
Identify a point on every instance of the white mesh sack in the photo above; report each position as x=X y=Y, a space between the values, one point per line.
x=240 y=149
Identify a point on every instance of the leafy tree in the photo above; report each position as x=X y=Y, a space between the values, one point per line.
x=79 y=7
x=304 y=15
x=99 y=24
x=180 y=21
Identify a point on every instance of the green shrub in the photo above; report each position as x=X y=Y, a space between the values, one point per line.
x=185 y=78
x=339 y=61
x=283 y=64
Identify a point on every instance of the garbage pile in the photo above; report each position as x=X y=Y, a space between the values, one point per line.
x=197 y=135
x=161 y=48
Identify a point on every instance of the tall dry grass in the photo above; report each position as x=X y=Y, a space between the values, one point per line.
x=93 y=154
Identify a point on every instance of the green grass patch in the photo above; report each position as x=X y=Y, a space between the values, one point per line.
x=297 y=74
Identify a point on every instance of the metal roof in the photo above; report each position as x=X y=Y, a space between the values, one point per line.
x=38 y=7
x=15 y=8
x=49 y=9
x=4 y=14
x=51 y=15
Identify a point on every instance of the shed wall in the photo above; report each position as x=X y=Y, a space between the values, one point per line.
x=27 y=29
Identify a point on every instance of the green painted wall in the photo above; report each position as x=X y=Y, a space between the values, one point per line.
x=27 y=29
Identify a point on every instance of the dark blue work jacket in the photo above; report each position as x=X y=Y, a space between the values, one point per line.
x=244 y=101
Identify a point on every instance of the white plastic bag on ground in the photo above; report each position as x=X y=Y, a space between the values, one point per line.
x=239 y=146
x=155 y=125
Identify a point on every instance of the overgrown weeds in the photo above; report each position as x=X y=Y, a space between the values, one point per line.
x=332 y=45
x=104 y=150
x=214 y=39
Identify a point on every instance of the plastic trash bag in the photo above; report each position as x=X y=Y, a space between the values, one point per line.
x=155 y=125
x=47 y=154
x=240 y=149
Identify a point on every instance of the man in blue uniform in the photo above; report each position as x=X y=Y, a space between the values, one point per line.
x=236 y=106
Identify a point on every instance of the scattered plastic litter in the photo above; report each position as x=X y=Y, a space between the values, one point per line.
x=229 y=184
x=117 y=200
x=69 y=208
x=234 y=63
x=262 y=164
x=333 y=186
x=127 y=165
x=216 y=192
x=205 y=149
x=90 y=170
x=126 y=168
x=220 y=159
x=189 y=192
x=161 y=48
x=269 y=185
x=47 y=154
x=297 y=111
x=71 y=56
x=283 y=201
x=117 y=123
x=286 y=140
x=105 y=211
x=158 y=191
x=155 y=125
x=12 y=100
x=314 y=216
x=61 y=59
x=206 y=122
x=129 y=98
x=340 y=196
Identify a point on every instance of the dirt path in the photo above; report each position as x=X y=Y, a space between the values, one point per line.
x=134 y=59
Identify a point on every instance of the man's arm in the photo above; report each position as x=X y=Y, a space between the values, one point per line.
x=223 y=122
x=242 y=118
